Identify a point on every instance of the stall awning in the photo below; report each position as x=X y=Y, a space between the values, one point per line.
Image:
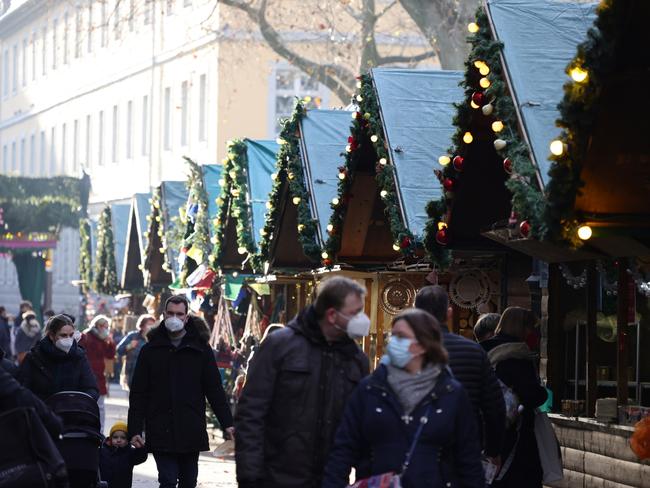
x=142 y=208
x=120 y=222
x=261 y=164
x=174 y=197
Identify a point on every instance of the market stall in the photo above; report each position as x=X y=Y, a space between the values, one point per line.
x=136 y=245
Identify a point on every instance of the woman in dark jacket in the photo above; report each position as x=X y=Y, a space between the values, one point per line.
x=385 y=411
x=515 y=367
x=57 y=364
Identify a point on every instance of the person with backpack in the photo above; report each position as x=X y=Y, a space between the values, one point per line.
x=516 y=369
x=410 y=417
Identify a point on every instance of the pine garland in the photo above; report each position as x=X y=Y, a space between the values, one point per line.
x=105 y=268
x=367 y=127
x=578 y=111
x=155 y=227
x=85 y=255
x=290 y=171
x=498 y=106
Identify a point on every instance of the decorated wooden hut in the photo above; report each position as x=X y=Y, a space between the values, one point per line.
x=376 y=229
x=305 y=182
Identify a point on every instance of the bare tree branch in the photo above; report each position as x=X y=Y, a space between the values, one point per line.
x=406 y=59
x=386 y=9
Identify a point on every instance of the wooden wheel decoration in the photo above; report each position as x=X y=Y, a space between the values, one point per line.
x=469 y=289
x=396 y=295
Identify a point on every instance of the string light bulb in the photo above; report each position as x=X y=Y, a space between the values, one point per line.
x=222 y=182
x=341 y=175
x=444 y=160
x=296 y=200
x=584 y=232
x=269 y=205
x=484 y=82
x=241 y=250
x=301 y=227
x=474 y=105
x=330 y=227
x=442 y=225
x=468 y=138
x=484 y=70
x=324 y=255
x=557 y=147
x=497 y=126
x=396 y=247
x=274 y=176
x=473 y=27
x=374 y=138
x=578 y=74
x=383 y=194
x=383 y=161
x=335 y=201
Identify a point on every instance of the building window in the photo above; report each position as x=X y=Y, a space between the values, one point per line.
x=104 y=24
x=148 y=12
x=5 y=73
x=24 y=61
x=184 y=111
x=202 y=107
x=168 y=120
x=55 y=27
x=21 y=167
x=53 y=168
x=78 y=22
x=129 y=130
x=32 y=155
x=64 y=136
x=75 y=146
x=89 y=32
x=5 y=160
x=43 y=162
x=170 y=7
x=187 y=3
x=33 y=56
x=13 y=156
x=44 y=51
x=290 y=83
x=14 y=74
x=131 y=15
x=89 y=139
x=145 y=125
x=100 y=140
x=116 y=128
x=66 y=28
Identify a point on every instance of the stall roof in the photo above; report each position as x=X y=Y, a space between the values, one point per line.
x=261 y=157
x=141 y=208
x=324 y=135
x=417 y=110
x=539 y=40
x=174 y=197
x=120 y=222
x=211 y=177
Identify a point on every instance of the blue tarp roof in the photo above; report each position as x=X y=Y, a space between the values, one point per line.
x=417 y=109
x=540 y=39
x=324 y=137
x=261 y=157
x=211 y=177
x=120 y=222
x=174 y=197
x=142 y=208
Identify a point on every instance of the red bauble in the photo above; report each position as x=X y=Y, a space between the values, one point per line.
x=507 y=166
x=479 y=98
x=442 y=237
x=448 y=184
x=524 y=228
x=406 y=242
x=327 y=262
x=350 y=139
x=458 y=163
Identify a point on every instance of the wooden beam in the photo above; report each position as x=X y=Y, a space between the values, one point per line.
x=556 y=344
x=622 y=387
x=591 y=369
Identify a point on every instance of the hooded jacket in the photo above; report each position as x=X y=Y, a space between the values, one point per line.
x=169 y=388
x=116 y=464
x=97 y=351
x=295 y=393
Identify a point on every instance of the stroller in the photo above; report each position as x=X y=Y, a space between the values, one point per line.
x=81 y=439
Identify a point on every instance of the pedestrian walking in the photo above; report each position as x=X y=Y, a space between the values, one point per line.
x=131 y=344
x=27 y=335
x=9 y=366
x=296 y=389
x=117 y=457
x=5 y=331
x=99 y=347
x=515 y=367
x=56 y=363
x=174 y=374
x=485 y=326
x=410 y=417
x=471 y=367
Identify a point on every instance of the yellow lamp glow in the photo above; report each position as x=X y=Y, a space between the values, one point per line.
x=358 y=84
x=235 y=274
x=383 y=161
x=578 y=74
x=478 y=63
x=442 y=225
x=444 y=160
x=354 y=115
x=296 y=200
x=473 y=105
x=484 y=82
x=374 y=138
x=262 y=232
x=324 y=255
x=268 y=205
x=222 y=182
x=274 y=176
x=497 y=126
x=301 y=227
x=279 y=140
x=335 y=201
x=473 y=27
x=584 y=232
x=330 y=228
x=232 y=173
x=395 y=247
x=341 y=175
x=241 y=250
x=557 y=147
x=348 y=148
x=468 y=138
x=290 y=176
x=359 y=98
x=383 y=194
x=484 y=70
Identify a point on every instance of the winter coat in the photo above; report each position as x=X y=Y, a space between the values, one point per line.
x=375 y=435
x=97 y=351
x=292 y=403
x=27 y=336
x=116 y=464
x=7 y=365
x=169 y=389
x=470 y=366
x=14 y=395
x=5 y=335
x=515 y=368
x=47 y=370
x=132 y=354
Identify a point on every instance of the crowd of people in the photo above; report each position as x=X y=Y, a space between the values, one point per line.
x=434 y=412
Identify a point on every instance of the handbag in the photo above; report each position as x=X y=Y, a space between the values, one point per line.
x=392 y=479
x=548 y=446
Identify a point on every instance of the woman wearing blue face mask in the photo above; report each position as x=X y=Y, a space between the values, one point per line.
x=409 y=408
x=56 y=363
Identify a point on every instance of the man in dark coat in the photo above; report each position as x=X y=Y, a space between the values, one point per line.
x=471 y=367
x=296 y=390
x=175 y=373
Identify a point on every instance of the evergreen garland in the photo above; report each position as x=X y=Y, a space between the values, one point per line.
x=155 y=227
x=105 y=268
x=596 y=57
x=497 y=105
x=197 y=232
x=85 y=255
x=289 y=167
x=367 y=126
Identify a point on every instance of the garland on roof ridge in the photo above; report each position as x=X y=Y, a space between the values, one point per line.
x=85 y=255
x=367 y=125
x=105 y=268
x=156 y=225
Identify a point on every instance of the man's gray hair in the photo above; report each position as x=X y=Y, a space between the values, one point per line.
x=332 y=293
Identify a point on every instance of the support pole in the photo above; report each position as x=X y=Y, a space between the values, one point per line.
x=592 y=309
x=622 y=387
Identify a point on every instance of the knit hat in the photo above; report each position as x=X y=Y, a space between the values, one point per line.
x=118 y=426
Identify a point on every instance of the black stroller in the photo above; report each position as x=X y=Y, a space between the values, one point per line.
x=81 y=439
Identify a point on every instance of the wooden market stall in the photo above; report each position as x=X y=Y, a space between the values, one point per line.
x=404 y=119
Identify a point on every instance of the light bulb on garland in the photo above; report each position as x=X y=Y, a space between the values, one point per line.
x=324 y=255
x=296 y=200
x=274 y=176
x=301 y=227
x=557 y=147
x=484 y=70
x=348 y=148
x=444 y=160
x=578 y=74
x=269 y=205
x=359 y=98
x=335 y=201
x=500 y=144
x=468 y=138
x=383 y=161
x=484 y=83
x=342 y=175
x=458 y=163
x=497 y=126
x=279 y=140
x=473 y=105
x=222 y=182
x=383 y=194
x=473 y=27
x=396 y=247
x=330 y=228
x=355 y=115
x=263 y=232
x=232 y=173
x=584 y=232
x=291 y=176
x=487 y=109
x=241 y=250
x=374 y=138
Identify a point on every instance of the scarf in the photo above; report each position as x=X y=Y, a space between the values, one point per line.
x=510 y=350
x=412 y=388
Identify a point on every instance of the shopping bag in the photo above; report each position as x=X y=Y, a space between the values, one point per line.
x=548 y=446
x=385 y=480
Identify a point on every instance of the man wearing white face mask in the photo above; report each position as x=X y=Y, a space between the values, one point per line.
x=296 y=389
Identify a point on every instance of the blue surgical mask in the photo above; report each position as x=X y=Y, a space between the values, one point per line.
x=398 y=351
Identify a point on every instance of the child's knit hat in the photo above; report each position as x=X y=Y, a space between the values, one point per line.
x=121 y=426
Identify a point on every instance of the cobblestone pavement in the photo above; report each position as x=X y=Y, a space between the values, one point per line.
x=213 y=472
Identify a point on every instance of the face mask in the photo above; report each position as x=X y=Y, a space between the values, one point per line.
x=174 y=324
x=65 y=343
x=398 y=351
x=102 y=333
x=358 y=326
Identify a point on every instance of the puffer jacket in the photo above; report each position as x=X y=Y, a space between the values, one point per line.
x=98 y=350
x=375 y=436
x=470 y=365
x=292 y=403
